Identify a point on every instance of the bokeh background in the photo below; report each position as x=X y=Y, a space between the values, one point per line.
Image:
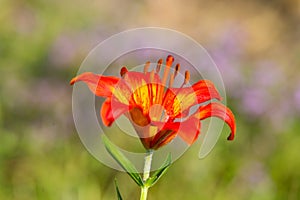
x=256 y=45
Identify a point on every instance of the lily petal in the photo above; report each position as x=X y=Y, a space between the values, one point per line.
x=140 y=95
x=179 y=100
x=162 y=138
x=219 y=110
x=205 y=90
x=111 y=110
x=155 y=88
x=100 y=85
x=164 y=133
x=188 y=130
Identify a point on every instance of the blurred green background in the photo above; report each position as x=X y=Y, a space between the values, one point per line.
x=255 y=45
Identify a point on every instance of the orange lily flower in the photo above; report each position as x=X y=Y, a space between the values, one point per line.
x=158 y=113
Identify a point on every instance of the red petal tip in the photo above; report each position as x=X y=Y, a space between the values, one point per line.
x=73 y=81
x=230 y=137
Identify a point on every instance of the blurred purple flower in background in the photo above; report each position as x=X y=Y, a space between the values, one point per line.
x=255 y=84
x=254 y=101
x=297 y=98
x=227 y=54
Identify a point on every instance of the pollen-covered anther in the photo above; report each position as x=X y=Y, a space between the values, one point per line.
x=123 y=71
x=146 y=67
x=158 y=66
x=187 y=77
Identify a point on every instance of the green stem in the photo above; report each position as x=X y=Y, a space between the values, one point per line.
x=144 y=192
x=146 y=174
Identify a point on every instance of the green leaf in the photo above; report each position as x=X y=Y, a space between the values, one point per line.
x=161 y=171
x=123 y=161
x=118 y=191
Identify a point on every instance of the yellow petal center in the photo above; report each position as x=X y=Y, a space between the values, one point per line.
x=158 y=113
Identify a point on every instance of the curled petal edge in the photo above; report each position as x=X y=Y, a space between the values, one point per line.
x=216 y=109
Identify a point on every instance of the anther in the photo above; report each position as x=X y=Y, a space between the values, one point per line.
x=186 y=77
x=177 y=68
x=123 y=71
x=170 y=60
x=146 y=67
x=158 y=66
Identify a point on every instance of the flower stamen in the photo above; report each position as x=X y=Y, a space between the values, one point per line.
x=187 y=77
x=186 y=80
x=177 y=68
x=123 y=71
x=171 y=81
x=152 y=76
x=169 y=62
x=161 y=88
x=146 y=67
x=158 y=66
